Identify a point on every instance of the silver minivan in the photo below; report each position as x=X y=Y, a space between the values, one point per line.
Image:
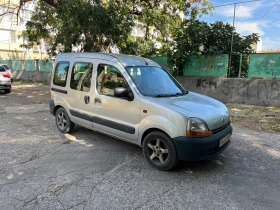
x=136 y=100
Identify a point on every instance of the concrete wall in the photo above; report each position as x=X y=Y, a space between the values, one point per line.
x=238 y=90
x=33 y=75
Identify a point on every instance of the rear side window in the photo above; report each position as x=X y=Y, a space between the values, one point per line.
x=81 y=76
x=60 y=73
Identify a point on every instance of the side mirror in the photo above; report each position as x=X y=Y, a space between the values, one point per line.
x=122 y=92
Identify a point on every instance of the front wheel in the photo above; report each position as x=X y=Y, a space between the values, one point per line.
x=160 y=151
x=63 y=122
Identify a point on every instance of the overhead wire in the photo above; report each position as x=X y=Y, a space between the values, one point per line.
x=270 y=9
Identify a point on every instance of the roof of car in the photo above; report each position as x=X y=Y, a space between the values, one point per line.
x=125 y=60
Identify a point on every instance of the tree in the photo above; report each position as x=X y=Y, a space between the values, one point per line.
x=164 y=17
x=199 y=38
x=89 y=25
x=95 y=25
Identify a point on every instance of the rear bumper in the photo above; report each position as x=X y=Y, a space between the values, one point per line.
x=196 y=149
x=5 y=86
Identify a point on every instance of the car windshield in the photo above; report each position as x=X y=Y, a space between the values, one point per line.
x=154 y=81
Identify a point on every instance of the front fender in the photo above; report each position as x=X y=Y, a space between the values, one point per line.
x=158 y=122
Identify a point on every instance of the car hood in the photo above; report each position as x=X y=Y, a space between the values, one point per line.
x=212 y=111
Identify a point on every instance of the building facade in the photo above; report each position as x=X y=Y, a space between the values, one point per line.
x=12 y=24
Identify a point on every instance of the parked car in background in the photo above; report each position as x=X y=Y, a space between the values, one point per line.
x=8 y=69
x=136 y=100
x=5 y=78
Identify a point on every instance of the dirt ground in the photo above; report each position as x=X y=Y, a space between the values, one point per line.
x=258 y=118
x=25 y=93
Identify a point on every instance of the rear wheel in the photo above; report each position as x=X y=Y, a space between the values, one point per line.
x=63 y=122
x=160 y=151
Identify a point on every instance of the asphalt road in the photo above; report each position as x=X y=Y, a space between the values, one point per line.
x=41 y=168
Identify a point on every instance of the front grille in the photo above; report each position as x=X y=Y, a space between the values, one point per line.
x=217 y=130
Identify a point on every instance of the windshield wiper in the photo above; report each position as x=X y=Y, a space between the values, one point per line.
x=165 y=95
x=171 y=95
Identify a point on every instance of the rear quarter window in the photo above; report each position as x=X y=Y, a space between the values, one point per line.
x=60 y=73
x=6 y=67
x=2 y=69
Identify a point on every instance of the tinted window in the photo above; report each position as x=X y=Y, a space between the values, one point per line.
x=60 y=74
x=108 y=78
x=81 y=76
x=6 y=67
x=2 y=69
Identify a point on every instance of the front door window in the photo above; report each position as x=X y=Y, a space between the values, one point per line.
x=108 y=78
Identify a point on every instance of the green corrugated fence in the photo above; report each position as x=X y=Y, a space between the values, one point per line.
x=163 y=61
x=206 y=66
x=264 y=65
x=46 y=65
x=5 y=62
x=260 y=65
x=29 y=65
x=16 y=65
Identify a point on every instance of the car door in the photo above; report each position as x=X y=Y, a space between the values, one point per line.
x=80 y=92
x=113 y=115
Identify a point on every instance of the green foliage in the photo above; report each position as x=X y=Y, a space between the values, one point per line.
x=79 y=23
x=95 y=26
x=199 y=38
x=163 y=17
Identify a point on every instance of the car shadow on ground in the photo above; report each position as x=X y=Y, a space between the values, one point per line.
x=77 y=136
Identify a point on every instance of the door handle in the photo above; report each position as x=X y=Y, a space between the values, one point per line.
x=86 y=99
x=97 y=101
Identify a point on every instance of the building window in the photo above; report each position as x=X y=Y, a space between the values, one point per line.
x=13 y=36
x=60 y=74
x=26 y=15
x=81 y=76
x=7 y=14
x=7 y=36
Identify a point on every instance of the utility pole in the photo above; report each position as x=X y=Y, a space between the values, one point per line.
x=230 y=54
x=231 y=45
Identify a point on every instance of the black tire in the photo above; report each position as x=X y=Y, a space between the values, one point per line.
x=160 y=151
x=63 y=122
x=8 y=90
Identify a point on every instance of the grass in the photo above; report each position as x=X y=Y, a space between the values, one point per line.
x=259 y=118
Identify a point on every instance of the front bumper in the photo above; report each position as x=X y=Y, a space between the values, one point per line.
x=196 y=149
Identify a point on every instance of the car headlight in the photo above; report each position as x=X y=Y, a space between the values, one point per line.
x=197 y=128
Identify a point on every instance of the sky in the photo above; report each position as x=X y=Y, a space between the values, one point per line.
x=261 y=17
